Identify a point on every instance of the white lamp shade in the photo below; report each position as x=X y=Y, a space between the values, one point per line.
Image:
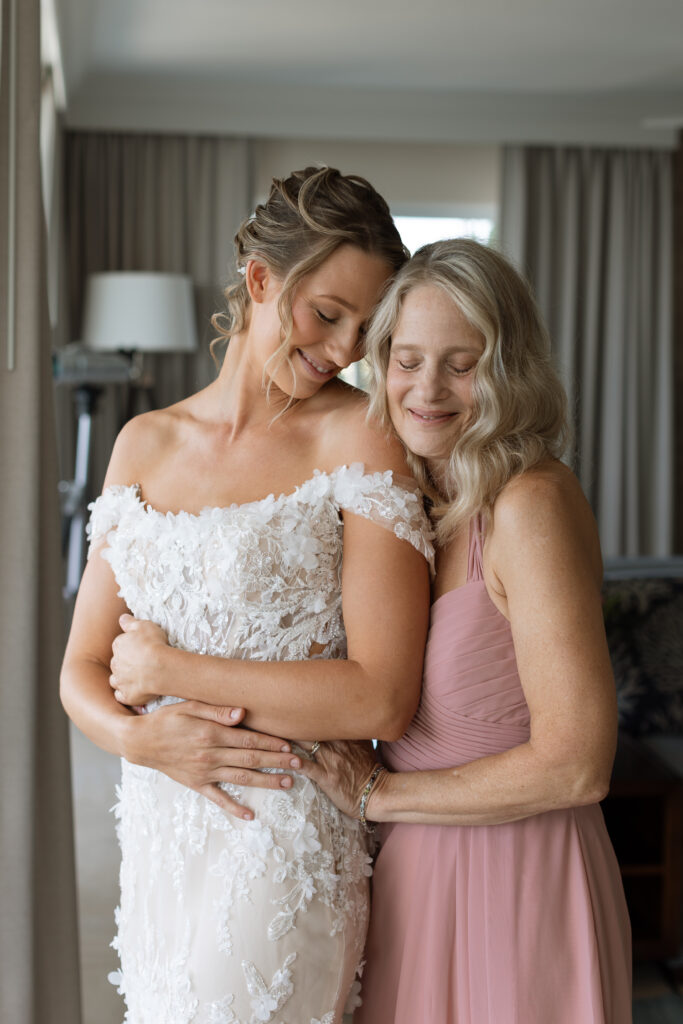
x=136 y=311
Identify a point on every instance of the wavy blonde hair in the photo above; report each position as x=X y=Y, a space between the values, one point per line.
x=519 y=416
x=305 y=218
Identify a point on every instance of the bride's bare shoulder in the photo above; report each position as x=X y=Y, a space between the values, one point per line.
x=142 y=442
x=349 y=435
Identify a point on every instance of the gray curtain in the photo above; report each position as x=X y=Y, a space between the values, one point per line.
x=151 y=202
x=39 y=977
x=591 y=229
x=136 y=202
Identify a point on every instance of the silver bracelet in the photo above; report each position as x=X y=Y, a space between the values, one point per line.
x=365 y=795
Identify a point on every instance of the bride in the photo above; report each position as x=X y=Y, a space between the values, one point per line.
x=221 y=525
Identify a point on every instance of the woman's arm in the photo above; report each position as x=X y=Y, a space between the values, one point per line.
x=194 y=743
x=544 y=559
x=373 y=693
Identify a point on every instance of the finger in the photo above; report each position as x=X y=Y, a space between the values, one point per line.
x=217 y=796
x=222 y=715
x=312 y=770
x=254 y=779
x=119 y=696
x=113 y=683
x=127 y=622
x=240 y=757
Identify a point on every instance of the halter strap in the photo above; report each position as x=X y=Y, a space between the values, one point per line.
x=475 y=555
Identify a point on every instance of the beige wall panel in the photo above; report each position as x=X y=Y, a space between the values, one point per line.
x=427 y=178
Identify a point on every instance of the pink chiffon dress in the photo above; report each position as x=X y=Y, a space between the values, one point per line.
x=519 y=923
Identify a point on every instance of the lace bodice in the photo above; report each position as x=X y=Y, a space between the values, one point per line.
x=261 y=580
x=224 y=921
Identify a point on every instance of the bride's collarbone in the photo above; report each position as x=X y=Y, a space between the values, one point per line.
x=202 y=468
x=192 y=485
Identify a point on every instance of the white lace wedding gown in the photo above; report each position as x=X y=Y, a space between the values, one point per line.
x=224 y=921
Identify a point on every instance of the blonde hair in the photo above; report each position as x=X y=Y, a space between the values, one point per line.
x=305 y=218
x=519 y=416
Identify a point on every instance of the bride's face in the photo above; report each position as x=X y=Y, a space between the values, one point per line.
x=330 y=310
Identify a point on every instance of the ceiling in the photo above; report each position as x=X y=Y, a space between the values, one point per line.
x=439 y=69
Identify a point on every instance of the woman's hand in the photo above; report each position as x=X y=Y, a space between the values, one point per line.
x=135 y=661
x=199 y=746
x=341 y=769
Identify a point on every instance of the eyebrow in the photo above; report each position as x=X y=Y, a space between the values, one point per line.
x=416 y=348
x=342 y=302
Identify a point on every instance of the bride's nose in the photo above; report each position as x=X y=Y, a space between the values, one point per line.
x=345 y=348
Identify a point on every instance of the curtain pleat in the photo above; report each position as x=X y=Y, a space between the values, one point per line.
x=591 y=229
x=152 y=202
x=39 y=974
x=149 y=203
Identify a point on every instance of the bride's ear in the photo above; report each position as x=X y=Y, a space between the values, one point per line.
x=259 y=280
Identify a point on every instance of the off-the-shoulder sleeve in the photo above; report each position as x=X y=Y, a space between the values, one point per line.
x=107 y=511
x=394 y=503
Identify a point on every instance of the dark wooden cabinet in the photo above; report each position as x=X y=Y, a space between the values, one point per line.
x=643 y=813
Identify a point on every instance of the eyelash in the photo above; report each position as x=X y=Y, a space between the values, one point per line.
x=453 y=369
x=325 y=319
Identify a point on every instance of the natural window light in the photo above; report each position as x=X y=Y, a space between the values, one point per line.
x=419 y=231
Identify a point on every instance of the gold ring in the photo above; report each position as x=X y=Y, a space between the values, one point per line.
x=315 y=748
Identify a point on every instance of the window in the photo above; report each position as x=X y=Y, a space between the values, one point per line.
x=419 y=231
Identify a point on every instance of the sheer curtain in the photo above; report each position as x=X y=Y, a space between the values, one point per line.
x=152 y=202
x=39 y=975
x=591 y=229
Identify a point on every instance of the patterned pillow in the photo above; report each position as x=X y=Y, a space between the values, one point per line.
x=644 y=624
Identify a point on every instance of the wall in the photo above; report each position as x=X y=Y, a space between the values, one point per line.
x=426 y=178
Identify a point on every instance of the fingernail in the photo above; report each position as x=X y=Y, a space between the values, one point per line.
x=295 y=762
x=285 y=782
x=235 y=713
x=286 y=749
x=247 y=815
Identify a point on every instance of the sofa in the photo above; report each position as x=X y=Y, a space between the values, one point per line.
x=643 y=612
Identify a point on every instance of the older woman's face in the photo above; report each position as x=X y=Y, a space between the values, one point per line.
x=434 y=351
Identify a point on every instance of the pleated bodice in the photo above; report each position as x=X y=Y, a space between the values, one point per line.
x=472 y=701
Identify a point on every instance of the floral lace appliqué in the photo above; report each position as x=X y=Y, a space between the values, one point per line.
x=221 y=920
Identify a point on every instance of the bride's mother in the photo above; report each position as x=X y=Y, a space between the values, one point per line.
x=497 y=897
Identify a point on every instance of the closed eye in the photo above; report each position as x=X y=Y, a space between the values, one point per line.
x=326 y=319
x=407 y=366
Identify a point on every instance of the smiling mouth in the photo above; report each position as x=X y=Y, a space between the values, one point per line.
x=318 y=369
x=426 y=417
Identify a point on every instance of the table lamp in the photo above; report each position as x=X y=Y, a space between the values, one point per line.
x=139 y=312
x=131 y=312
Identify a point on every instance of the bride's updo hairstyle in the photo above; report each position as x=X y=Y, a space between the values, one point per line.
x=519 y=416
x=304 y=219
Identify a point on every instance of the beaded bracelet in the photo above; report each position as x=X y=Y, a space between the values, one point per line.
x=365 y=795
